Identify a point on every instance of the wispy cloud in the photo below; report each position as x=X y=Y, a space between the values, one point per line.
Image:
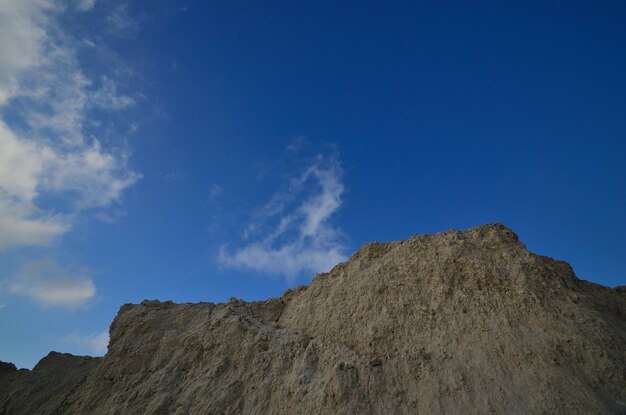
x=107 y=96
x=215 y=191
x=49 y=284
x=292 y=233
x=119 y=23
x=52 y=165
x=95 y=343
x=85 y=5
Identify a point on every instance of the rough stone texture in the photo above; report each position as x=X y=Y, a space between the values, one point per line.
x=452 y=323
x=44 y=389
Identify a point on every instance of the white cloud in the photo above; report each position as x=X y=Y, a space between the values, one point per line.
x=107 y=97
x=85 y=5
x=215 y=191
x=46 y=104
x=25 y=226
x=22 y=32
x=297 y=144
x=95 y=343
x=292 y=233
x=119 y=23
x=49 y=284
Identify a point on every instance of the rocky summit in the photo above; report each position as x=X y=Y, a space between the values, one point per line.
x=464 y=322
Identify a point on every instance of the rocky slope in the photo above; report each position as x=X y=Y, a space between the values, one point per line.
x=457 y=322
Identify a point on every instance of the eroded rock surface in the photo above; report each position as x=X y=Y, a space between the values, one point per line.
x=44 y=389
x=457 y=322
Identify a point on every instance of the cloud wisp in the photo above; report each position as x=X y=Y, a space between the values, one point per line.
x=293 y=233
x=48 y=284
x=85 y=5
x=52 y=164
x=95 y=343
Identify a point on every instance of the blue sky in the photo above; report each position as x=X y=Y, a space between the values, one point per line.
x=198 y=150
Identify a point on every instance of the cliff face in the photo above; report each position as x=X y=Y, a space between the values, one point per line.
x=45 y=388
x=457 y=322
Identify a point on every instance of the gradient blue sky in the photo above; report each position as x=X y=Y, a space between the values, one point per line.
x=198 y=150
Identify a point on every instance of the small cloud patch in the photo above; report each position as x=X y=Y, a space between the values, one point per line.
x=94 y=343
x=50 y=285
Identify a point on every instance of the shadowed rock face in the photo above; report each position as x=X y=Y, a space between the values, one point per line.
x=42 y=390
x=457 y=322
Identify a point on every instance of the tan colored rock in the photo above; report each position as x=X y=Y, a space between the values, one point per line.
x=452 y=323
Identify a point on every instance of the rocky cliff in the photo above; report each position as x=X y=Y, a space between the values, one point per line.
x=452 y=323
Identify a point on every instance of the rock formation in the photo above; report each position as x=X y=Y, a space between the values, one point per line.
x=452 y=323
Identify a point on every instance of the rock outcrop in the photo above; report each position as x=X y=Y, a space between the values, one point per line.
x=452 y=323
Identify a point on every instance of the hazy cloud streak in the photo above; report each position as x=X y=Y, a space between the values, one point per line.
x=96 y=343
x=49 y=284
